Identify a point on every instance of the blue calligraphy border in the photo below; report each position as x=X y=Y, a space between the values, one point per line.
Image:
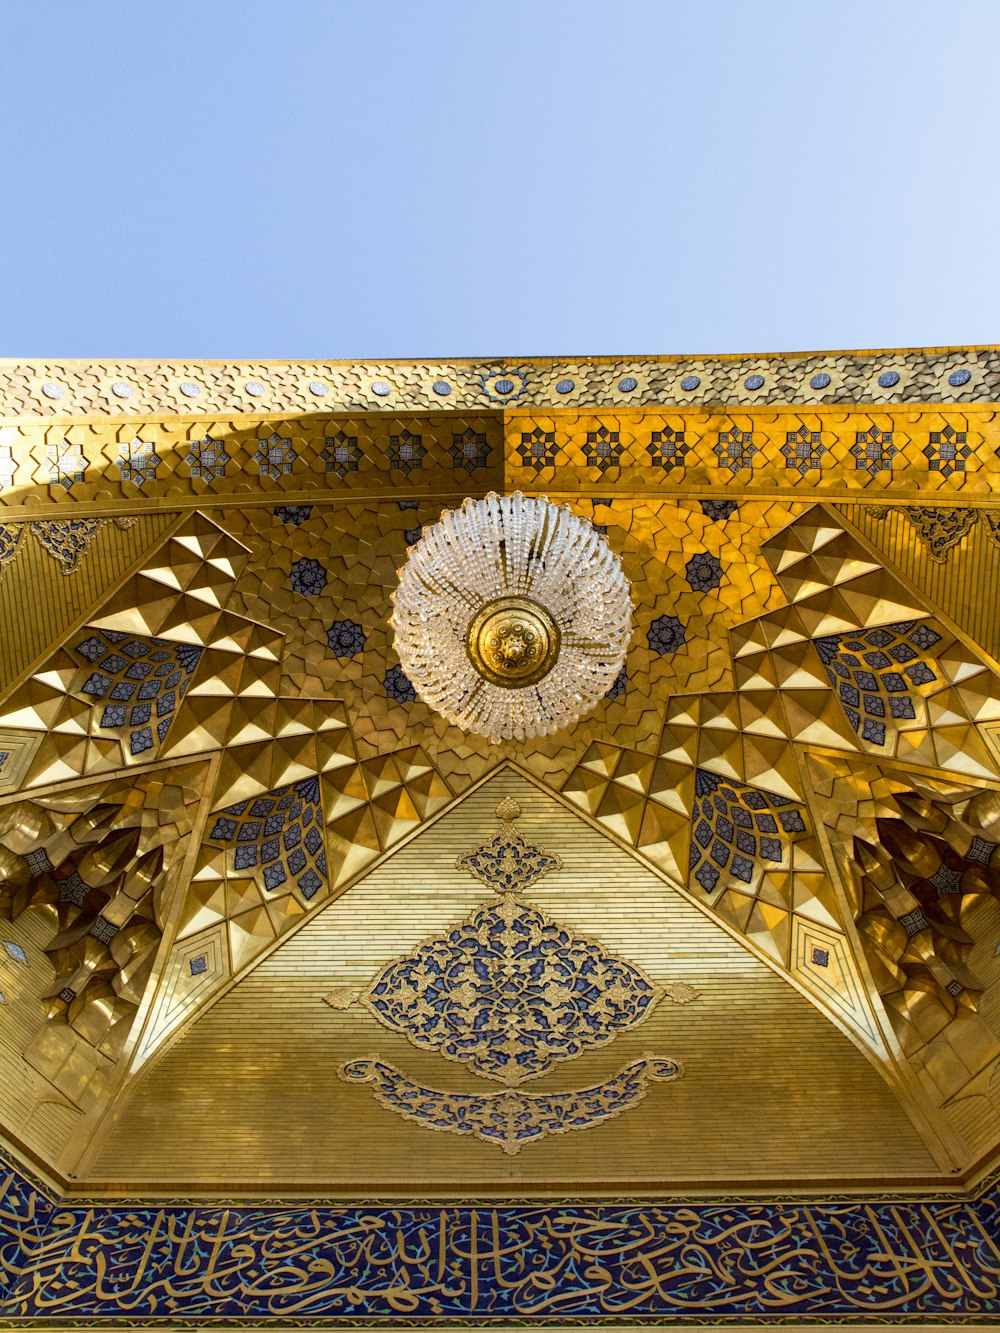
x=189 y=1264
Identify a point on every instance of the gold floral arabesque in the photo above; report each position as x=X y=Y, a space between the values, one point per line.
x=513 y=642
x=507 y=862
x=508 y=992
x=511 y=1118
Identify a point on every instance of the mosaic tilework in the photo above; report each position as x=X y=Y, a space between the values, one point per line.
x=618 y=686
x=735 y=449
x=68 y=542
x=508 y=862
x=874 y=672
x=787 y=908
x=11 y=536
x=510 y=993
x=470 y=450
x=25 y=1212
x=786 y=449
x=603 y=448
x=941 y=530
x=406 y=452
x=295 y=515
x=273 y=1027
x=704 y=533
x=770 y=689
x=207 y=459
x=719 y=510
x=512 y=1118
x=946 y=451
x=340 y=453
x=363 y=545
x=66 y=463
x=703 y=572
x=874 y=450
x=667 y=448
x=275 y=456
x=308 y=577
x=831 y=580
x=345 y=638
x=735 y=827
x=537 y=449
x=782 y=450
x=665 y=634
x=137 y=461
x=101 y=709
x=804 y=449
x=398 y=686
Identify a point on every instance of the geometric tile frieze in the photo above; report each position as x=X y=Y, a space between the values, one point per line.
x=518 y=448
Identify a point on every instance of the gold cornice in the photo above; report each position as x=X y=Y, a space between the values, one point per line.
x=129 y=388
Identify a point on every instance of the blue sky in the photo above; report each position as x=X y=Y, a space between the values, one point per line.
x=318 y=178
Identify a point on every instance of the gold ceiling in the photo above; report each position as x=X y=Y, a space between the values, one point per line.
x=271 y=921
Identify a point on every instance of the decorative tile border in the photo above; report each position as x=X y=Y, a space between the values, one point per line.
x=144 y=388
x=292 y=1264
x=931 y=453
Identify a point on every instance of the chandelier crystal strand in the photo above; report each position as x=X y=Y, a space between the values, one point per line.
x=512 y=616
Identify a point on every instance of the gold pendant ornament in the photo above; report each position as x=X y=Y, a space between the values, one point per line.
x=513 y=642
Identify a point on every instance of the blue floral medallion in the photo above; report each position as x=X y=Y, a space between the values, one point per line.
x=508 y=863
x=509 y=992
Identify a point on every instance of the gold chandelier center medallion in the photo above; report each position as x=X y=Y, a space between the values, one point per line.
x=513 y=642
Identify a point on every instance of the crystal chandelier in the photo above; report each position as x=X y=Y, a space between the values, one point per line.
x=512 y=616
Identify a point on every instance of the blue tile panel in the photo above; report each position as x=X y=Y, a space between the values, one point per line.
x=891 y=1259
x=277 y=838
x=737 y=830
x=875 y=672
x=141 y=682
x=25 y=1214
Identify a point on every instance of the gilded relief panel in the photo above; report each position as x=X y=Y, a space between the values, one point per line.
x=253 y=649
x=288 y=1043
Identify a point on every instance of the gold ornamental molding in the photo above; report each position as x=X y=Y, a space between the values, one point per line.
x=944 y=454
x=126 y=388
